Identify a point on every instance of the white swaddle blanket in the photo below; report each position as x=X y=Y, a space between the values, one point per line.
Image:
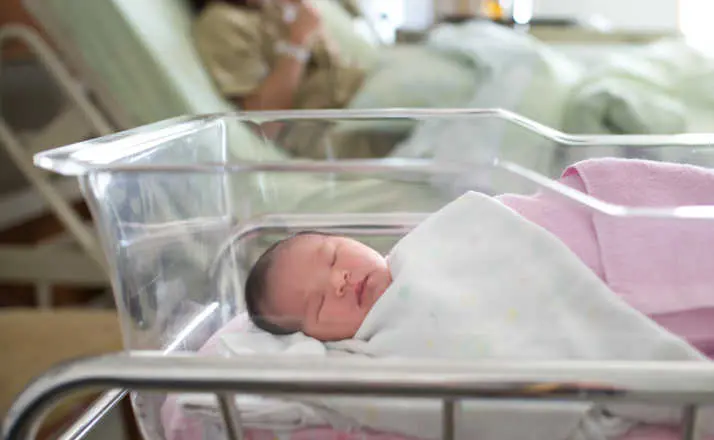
x=477 y=281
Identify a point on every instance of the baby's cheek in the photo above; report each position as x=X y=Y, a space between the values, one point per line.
x=345 y=320
x=338 y=314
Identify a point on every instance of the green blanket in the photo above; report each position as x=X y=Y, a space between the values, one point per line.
x=658 y=89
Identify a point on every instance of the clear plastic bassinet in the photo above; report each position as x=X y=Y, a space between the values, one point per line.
x=184 y=207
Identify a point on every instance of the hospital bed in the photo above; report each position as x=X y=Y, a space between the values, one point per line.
x=81 y=259
x=126 y=63
x=182 y=216
x=117 y=70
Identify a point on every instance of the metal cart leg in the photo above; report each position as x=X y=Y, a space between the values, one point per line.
x=93 y=415
x=689 y=421
x=448 y=422
x=231 y=416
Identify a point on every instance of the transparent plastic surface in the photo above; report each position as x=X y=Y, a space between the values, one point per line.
x=185 y=207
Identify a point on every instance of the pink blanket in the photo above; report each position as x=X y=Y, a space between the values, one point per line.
x=661 y=267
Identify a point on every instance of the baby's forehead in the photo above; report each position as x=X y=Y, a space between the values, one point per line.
x=300 y=246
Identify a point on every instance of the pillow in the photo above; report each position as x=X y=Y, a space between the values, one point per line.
x=417 y=76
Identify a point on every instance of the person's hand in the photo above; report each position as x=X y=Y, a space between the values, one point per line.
x=306 y=26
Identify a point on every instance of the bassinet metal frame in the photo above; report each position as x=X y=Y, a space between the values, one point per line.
x=690 y=385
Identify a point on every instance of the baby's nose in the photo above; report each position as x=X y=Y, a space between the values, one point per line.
x=342 y=280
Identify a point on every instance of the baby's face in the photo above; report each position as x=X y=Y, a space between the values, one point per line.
x=325 y=285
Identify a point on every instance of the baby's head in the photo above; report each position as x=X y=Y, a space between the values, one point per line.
x=323 y=285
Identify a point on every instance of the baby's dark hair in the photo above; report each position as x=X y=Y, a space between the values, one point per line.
x=256 y=286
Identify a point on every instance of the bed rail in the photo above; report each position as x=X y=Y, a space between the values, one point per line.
x=689 y=385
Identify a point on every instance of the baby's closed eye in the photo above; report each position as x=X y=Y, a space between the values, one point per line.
x=335 y=253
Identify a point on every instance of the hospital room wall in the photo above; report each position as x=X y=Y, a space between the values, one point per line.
x=628 y=14
x=624 y=14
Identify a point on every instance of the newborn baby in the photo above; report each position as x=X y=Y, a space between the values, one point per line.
x=325 y=285
x=322 y=285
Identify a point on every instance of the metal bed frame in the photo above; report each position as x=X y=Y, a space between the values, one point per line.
x=690 y=385
x=52 y=262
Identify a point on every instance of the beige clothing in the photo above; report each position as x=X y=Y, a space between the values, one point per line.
x=238 y=47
